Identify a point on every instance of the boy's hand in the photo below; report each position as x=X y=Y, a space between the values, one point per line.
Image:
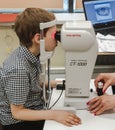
x=66 y=118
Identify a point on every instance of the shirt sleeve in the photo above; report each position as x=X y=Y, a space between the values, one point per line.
x=17 y=86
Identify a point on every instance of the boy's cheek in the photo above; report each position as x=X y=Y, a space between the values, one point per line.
x=53 y=34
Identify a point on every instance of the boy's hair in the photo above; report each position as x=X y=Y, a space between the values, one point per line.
x=27 y=24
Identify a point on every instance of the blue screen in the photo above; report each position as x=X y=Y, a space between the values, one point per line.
x=100 y=11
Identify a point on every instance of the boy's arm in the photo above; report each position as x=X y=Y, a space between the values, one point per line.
x=53 y=84
x=19 y=112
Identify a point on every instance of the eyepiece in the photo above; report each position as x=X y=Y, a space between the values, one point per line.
x=57 y=36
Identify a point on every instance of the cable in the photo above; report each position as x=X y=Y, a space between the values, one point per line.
x=56 y=100
x=62 y=88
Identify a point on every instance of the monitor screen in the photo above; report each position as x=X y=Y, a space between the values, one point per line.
x=99 y=11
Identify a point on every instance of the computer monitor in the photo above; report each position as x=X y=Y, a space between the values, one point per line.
x=101 y=13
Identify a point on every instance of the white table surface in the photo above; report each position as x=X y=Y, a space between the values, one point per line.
x=105 y=121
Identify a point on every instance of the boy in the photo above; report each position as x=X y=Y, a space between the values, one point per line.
x=21 y=103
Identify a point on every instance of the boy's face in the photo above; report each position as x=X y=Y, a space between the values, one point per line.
x=50 y=42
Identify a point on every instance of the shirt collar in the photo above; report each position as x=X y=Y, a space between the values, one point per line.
x=29 y=56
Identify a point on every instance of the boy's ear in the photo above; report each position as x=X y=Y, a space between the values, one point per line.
x=36 y=38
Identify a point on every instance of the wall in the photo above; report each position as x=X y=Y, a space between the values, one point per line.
x=31 y=3
x=78 y=4
x=35 y=3
x=8 y=42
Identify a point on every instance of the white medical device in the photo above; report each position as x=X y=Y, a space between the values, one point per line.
x=79 y=42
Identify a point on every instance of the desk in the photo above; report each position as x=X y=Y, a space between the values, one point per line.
x=89 y=121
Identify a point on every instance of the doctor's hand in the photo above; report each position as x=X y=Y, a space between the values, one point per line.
x=66 y=118
x=108 y=79
x=100 y=104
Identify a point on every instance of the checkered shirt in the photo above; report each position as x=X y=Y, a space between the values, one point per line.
x=19 y=84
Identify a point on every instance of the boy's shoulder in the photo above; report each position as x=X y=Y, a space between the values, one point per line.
x=14 y=60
